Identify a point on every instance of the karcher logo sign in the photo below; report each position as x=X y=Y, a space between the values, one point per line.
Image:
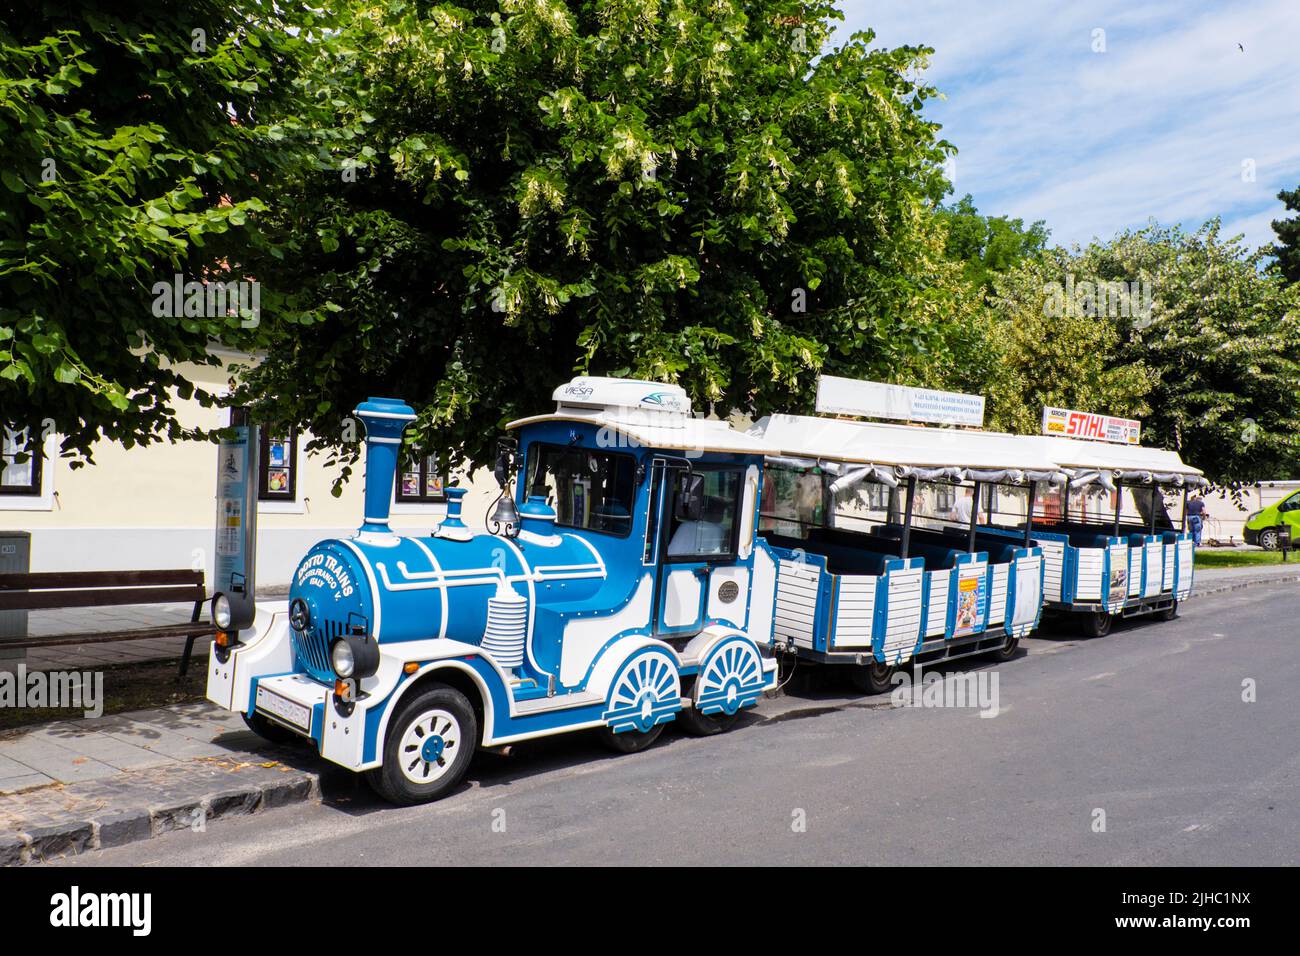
x=76 y=909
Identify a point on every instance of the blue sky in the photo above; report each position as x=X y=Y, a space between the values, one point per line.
x=1158 y=125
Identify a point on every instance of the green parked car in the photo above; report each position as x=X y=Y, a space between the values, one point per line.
x=1262 y=527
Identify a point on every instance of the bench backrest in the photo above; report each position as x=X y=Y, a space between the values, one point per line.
x=67 y=589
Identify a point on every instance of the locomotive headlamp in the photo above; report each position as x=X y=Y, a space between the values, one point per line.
x=221 y=611
x=299 y=616
x=344 y=661
x=354 y=655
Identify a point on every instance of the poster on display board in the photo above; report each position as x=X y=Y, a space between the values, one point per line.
x=236 y=531
x=1068 y=423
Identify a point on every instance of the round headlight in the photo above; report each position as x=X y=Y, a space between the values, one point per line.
x=342 y=658
x=221 y=615
x=299 y=616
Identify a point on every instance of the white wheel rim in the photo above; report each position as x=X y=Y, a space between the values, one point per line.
x=429 y=746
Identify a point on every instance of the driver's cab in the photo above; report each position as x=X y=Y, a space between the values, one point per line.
x=667 y=501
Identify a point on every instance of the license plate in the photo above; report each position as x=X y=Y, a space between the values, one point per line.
x=296 y=715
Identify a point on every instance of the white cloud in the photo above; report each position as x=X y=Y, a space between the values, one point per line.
x=1156 y=126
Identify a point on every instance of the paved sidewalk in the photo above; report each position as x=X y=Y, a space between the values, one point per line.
x=69 y=786
x=75 y=785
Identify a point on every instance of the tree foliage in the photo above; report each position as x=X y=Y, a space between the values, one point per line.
x=135 y=149
x=1287 y=247
x=656 y=188
x=1213 y=368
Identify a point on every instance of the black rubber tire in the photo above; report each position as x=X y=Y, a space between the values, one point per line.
x=270 y=731
x=873 y=678
x=705 y=725
x=629 y=741
x=1268 y=539
x=1006 y=652
x=1168 y=614
x=1096 y=623
x=389 y=781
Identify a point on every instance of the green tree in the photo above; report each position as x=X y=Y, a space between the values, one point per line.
x=988 y=245
x=140 y=141
x=1051 y=352
x=695 y=193
x=1287 y=247
x=1185 y=331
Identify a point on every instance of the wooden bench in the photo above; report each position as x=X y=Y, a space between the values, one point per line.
x=72 y=589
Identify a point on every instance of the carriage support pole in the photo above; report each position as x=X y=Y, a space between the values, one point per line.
x=907 y=516
x=1029 y=512
x=974 y=517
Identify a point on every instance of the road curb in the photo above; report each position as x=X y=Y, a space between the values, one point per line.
x=104 y=829
x=1241 y=585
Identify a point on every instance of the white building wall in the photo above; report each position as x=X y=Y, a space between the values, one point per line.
x=154 y=507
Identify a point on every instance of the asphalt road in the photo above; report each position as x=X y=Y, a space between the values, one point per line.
x=1147 y=725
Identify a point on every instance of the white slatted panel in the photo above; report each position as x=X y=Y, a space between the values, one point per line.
x=1154 y=553
x=998 y=599
x=1186 y=556
x=1167 y=581
x=1053 y=562
x=1088 y=568
x=903 y=621
x=855 y=605
x=1134 y=572
x=936 y=618
x=1028 y=596
x=796 y=601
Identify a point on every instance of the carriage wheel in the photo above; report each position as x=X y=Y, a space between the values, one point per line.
x=873 y=678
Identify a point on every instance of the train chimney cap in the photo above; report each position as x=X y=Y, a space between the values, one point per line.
x=595 y=391
x=392 y=409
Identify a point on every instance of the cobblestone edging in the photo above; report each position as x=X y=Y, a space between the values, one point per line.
x=53 y=821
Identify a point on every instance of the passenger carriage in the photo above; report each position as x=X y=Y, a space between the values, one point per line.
x=625 y=587
x=881 y=566
x=1111 y=544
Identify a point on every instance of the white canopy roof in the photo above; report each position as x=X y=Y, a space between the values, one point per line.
x=657 y=430
x=907 y=448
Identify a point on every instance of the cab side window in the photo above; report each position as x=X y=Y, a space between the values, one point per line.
x=713 y=536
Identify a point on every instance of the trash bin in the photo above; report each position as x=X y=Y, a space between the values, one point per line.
x=15 y=557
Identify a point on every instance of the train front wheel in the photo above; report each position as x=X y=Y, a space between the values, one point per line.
x=428 y=748
x=873 y=678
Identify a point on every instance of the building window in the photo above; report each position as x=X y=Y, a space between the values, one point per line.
x=278 y=466
x=420 y=482
x=20 y=462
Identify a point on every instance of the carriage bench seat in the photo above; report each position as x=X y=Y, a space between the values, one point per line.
x=59 y=590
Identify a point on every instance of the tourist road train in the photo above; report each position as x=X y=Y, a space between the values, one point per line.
x=643 y=566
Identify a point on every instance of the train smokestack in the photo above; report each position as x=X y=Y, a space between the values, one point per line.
x=385 y=420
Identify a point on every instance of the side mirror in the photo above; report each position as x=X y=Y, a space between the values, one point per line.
x=689 y=505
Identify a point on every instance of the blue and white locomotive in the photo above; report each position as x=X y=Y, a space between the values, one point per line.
x=625 y=586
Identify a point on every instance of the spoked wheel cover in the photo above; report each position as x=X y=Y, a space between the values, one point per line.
x=429 y=746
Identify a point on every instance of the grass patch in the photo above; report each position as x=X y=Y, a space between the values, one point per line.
x=1234 y=558
x=136 y=686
